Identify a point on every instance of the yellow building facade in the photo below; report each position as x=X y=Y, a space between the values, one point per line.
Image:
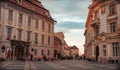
x=26 y=28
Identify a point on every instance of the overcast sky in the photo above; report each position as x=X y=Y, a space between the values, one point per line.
x=71 y=17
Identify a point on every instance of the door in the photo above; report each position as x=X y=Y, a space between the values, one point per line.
x=97 y=52
x=19 y=52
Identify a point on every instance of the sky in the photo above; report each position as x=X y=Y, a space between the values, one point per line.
x=71 y=17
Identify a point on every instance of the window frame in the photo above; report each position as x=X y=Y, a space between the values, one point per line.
x=9 y=32
x=112 y=27
x=43 y=26
x=36 y=38
x=28 y=35
x=48 y=40
x=10 y=15
x=36 y=24
x=29 y=21
x=42 y=42
x=112 y=9
x=19 y=34
x=20 y=18
x=115 y=48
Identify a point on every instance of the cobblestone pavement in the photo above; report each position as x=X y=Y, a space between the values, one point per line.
x=57 y=65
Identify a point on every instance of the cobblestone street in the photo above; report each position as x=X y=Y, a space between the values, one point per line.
x=57 y=65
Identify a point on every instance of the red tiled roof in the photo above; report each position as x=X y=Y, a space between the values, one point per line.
x=38 y=3
x=35 y=6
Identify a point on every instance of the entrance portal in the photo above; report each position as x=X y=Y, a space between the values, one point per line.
x=20 y=49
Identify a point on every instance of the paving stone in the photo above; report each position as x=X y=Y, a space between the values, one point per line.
x=57 y=65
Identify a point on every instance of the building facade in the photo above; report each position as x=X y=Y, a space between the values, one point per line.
x=61 y=37
x=73 y=50
x=57 y=45
x=66 y=49
x=102 y=32
x=26 y=28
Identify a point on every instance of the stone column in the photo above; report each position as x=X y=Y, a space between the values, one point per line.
x=109 y=51
x=100 y=51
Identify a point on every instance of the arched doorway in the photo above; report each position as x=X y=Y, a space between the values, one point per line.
x=97 y=52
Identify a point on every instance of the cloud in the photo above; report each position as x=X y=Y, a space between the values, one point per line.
x=69 y=14
x=67 y=7
x=66 y=26
x=71 y=17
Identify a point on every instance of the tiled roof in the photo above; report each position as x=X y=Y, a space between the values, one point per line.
x=73 y=47
x=34 y=6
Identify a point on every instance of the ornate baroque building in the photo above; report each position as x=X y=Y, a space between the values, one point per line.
x=102 y=32
x=26 y=28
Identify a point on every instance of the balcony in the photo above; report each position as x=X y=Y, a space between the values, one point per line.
x=95 y=22
x=112 y=17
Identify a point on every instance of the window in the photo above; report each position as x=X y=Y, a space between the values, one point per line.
x=10 y=15
x=36 y=25
x=36 y=38
x=96 y=15
x=48 y=40
x=9 y=32
x=112 y=9
x=19 y=34
x=43 y=26
x=29 y=22
x=32 y=49
x=42 y=39
x=35 y=52
x=104 y=52
x=103 y=10
x=115 y=49
x=20 y=18
x=104 y=46
x=48 y=53
x=42 y=53
x=96 y=31
x=28 y=36
x=112 y=27
x=48 y=28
